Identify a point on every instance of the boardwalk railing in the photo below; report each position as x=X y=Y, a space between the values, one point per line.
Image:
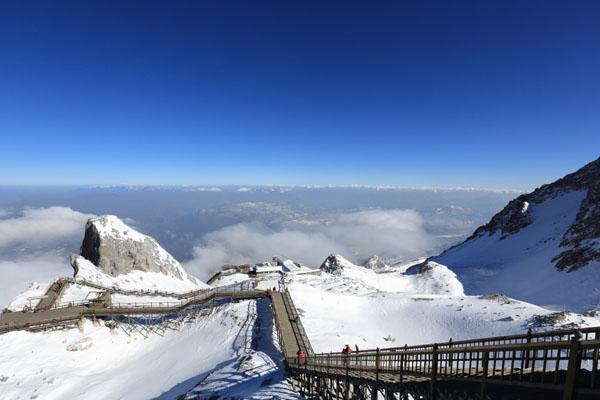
x=299 y=332
x=563 y=368
x=59 y=314
x=560 y=364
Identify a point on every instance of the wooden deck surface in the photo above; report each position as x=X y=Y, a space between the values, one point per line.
x=17 y=320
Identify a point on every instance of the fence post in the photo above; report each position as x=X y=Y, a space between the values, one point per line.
x=485 y=361
x=347 y=388
x=527 y=356
x=449 y=357
x=573 y=367
x=434 y=365
x=377 y=366
x=402 y=355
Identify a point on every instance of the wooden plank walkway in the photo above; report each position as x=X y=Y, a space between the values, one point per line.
x=10 y=321
x=53 y=293
x=287 y=337
x=561 y=361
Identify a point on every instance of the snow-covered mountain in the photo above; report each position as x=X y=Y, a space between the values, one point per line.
x=232 y=351
x=115 y=248
x=341 y=275
x=335 y=263
x=119 y=257
x=376 y=263
x=543 y=247
x=114 y=252
x=421 y=302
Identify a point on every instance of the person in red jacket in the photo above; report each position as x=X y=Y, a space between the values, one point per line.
x=347 y=350
x=301 y=357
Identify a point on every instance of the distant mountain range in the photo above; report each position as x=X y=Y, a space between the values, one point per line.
x=543 y=247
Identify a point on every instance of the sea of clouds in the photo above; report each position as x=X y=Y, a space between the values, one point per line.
x=35 y=242
x=30 y=246
x=356 y=235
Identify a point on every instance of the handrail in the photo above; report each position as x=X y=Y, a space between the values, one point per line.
x=531 y=336
x=301 y=336
x=552 y=365
x=565 y=359
x=99 y=308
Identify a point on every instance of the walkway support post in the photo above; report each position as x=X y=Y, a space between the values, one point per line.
x=347 y=386
x=306 y=377
x=377 y=367
x=485 y=361
x=528 y=354
x=434 y=367
x=573 y=368
x=449 y=357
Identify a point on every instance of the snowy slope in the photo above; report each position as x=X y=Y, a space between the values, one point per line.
x=233 y=352
x=340 y=273
x=135 y=280
x=28 y=298
x=97 y=363
x=257 y=371
x=544 y=247
x=369 y=309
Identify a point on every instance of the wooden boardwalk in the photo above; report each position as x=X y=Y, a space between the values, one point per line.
x=546 y=365
x=292 y=336
x=52 y=295
x=18 y=320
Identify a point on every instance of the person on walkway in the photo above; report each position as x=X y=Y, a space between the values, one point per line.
x=301 y=357
x=346 y=352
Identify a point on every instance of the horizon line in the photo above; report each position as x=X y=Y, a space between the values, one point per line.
x=241 y=188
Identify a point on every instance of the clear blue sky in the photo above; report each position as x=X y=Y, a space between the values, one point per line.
x=480 y=93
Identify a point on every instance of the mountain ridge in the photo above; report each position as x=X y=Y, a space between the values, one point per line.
x=551 y=236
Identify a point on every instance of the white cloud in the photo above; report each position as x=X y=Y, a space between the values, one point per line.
x=42 y=225
x=4 y=213
x=16 y=275
x=355 y=235
x=205 y=189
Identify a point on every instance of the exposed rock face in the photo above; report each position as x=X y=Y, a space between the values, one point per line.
x=375 y=263
x=543 y=247
x=511 y=219
x=334 y=263
x=581 y=241
x=115 y=249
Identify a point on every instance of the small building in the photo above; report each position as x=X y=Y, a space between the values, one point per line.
x=266 y=268
x=245 y=268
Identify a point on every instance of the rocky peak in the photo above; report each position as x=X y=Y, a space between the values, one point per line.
x=582 y=240
x=115 y=249
x=334 y=263
x=375 y=263
x=511 y=219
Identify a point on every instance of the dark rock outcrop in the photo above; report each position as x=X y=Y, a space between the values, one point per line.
x=334 y=263
x=115 y=249
x=375 y=263
x=581 y=242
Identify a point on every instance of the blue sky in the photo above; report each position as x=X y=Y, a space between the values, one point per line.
x=479 y=94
